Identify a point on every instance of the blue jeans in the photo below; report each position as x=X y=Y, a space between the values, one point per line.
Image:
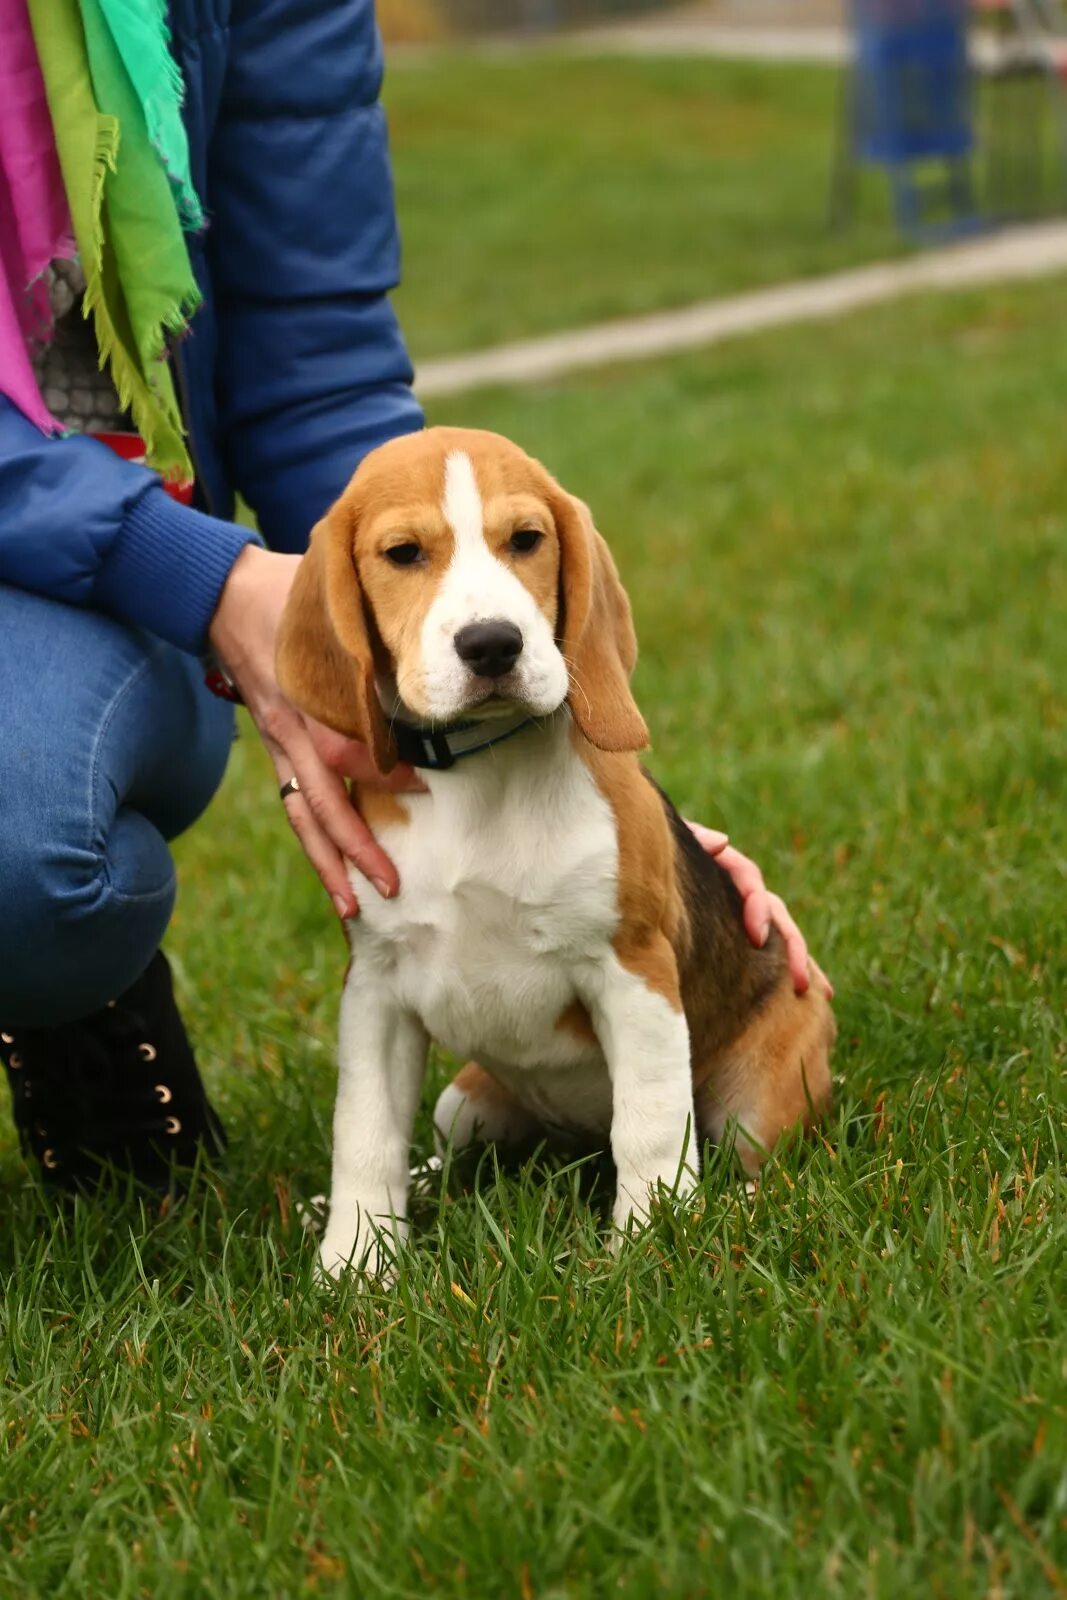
x=109 y=746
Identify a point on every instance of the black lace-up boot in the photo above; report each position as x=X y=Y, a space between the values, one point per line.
x=119 y=1089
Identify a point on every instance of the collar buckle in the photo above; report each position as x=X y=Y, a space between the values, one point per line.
x=440 y=749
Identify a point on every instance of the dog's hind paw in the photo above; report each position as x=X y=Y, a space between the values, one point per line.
x=312 y=1213
x=424 y=1176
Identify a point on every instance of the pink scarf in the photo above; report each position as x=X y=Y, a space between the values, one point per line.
x=35 y=225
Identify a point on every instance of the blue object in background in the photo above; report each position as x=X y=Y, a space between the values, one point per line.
x=909 y=103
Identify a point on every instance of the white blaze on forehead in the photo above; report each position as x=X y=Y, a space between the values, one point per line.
x=462 y=505
x=478 y=586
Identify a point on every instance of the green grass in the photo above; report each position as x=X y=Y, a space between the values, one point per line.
x=845 y=548
x=540 y=191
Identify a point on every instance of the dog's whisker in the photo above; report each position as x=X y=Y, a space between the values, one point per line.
x=402 y=683
x=575 y=680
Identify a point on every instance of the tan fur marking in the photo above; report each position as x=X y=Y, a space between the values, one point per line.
x=773 y=1078
x=380 y=808
x=481 y=1087
x=398 y=598
x=575 y=1021
x=538 y=571
x=596 y=630
x=652 y=918
x=325 y=655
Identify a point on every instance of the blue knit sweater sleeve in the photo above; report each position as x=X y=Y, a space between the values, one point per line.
x=81 y=525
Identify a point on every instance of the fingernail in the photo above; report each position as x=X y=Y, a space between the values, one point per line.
x=342 y=907
x=383 y=888
x=765 y=935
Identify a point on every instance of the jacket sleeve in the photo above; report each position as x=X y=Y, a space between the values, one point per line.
x=312 y=371
x=79 y=524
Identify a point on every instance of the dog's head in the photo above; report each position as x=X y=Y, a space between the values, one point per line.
x=455 y=575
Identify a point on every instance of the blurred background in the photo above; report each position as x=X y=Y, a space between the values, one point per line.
x=608 y=157
x=423 y=20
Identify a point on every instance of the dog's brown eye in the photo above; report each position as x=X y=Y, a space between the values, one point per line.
x=523 y=540
x=403 y=555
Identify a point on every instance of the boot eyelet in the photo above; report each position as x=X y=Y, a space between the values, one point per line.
x=40 y=1130
x=14 y=1061
x=173 y=1125
x=7 y=1038
x=165 y=1094
x=147 y=1051
x=50 y=1160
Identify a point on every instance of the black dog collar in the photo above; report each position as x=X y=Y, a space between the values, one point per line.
x=437 y=749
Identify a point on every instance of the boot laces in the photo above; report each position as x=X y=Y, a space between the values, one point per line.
x=87 y=1083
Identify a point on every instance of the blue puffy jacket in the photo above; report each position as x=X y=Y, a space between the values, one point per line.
x=295 y=366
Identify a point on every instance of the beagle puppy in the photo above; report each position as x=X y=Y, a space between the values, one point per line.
x=556 y=922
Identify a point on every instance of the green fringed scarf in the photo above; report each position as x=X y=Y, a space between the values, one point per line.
x=139 y=29
x=140 y=287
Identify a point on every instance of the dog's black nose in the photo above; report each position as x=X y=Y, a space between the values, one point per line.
x=489 y=648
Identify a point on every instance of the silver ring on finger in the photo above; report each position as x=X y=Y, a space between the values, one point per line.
x=291 y=787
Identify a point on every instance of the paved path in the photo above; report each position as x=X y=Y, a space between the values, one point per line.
x=810 y=32
x=824 y=46
x=683 y=38
x=827 y=45
x=1011 y=256
x=746 y=30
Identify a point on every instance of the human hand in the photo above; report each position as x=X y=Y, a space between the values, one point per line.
x=243 y=633
x=763 y=910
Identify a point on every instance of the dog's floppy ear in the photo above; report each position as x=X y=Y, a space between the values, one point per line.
x=325 y=661
x=596 y=632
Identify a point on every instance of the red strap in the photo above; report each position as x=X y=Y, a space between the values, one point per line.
x=130 y=446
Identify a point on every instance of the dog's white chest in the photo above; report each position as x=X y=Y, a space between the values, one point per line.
x=508 y=874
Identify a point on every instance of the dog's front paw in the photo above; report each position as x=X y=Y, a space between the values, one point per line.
x=636 y=1199
x=370 y=1246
